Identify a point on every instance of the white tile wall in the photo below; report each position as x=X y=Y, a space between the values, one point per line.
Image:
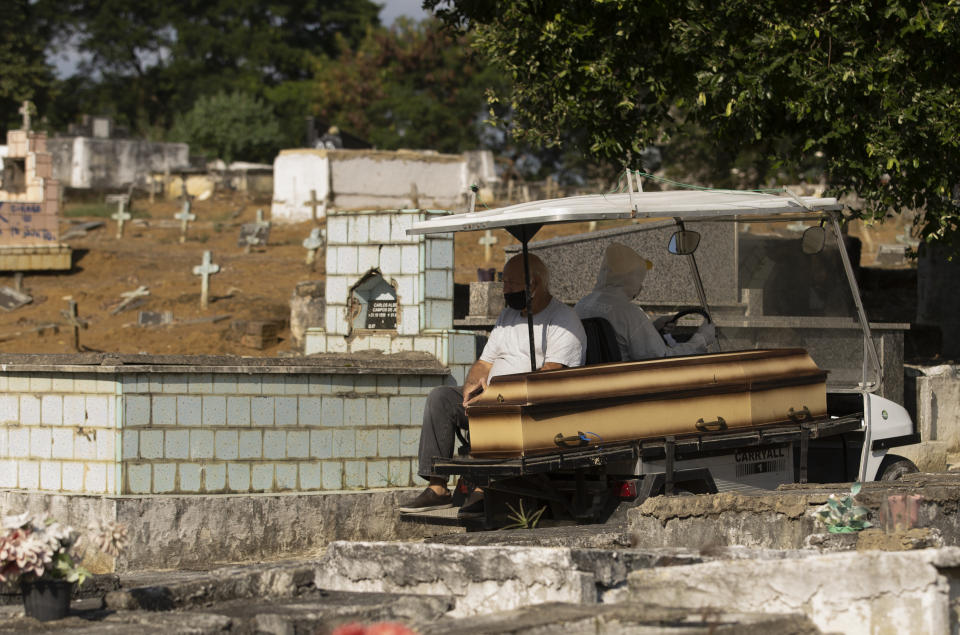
x=368 y=257
x=390 y=259
x=410 y=259
x=358 y=229
x=336 y=230
x=380 y=228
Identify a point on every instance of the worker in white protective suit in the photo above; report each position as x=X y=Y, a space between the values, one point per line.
x=619 y=281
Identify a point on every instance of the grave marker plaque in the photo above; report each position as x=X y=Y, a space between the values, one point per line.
x=374 y=302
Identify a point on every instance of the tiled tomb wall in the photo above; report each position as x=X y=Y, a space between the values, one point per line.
x=201 y=430
x=420 y=268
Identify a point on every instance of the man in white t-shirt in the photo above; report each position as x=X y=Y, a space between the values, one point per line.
x=559 y=342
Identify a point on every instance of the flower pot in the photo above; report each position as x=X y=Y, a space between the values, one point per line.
x=46 y=600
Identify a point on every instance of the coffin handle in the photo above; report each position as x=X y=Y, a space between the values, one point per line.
x=711 y=426
x=799 y=416
x=570 y=442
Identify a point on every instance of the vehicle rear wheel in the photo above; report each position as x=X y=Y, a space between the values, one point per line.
x=894 y=467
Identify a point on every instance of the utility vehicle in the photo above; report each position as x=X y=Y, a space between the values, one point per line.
x=582 y=443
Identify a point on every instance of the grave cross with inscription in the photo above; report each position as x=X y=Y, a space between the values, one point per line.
x=185 y=217
x=205 y=270
x=312 y=243
x=121 y=214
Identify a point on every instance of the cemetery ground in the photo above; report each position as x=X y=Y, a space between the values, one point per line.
x=251 y=286
x=254 y=286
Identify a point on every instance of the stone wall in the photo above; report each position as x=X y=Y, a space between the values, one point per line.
x=197 y=427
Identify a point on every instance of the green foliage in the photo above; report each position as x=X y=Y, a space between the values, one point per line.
x=412 y=86
x=230 y=126
x=24 y=72
x=150 y=60
x=522 y=520
x=866 y=91
x=842 y=515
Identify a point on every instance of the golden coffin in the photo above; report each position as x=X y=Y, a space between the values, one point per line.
x=530 y=413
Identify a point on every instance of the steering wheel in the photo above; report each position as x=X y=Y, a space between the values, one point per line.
x=665 y=328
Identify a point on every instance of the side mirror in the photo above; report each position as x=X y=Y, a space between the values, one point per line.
x=812 y=241
x=683 y=242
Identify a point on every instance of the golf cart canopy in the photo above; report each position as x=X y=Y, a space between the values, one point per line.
x=524 y=220
x=681 y=204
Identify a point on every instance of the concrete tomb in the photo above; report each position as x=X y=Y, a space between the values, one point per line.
x=94 y=155
x=309 y=182
x=30 y=205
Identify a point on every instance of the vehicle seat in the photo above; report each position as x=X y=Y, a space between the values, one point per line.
x=601 y=341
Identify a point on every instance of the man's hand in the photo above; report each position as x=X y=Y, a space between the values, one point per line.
x=476 y=380
x=469 y=392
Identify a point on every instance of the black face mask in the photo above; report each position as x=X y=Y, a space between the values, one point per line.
x=516 y=300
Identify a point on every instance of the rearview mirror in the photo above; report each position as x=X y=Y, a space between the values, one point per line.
x=683 y=242
x=812 y=241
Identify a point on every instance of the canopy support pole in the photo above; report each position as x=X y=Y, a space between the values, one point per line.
x=524 y=233
x=529 y=299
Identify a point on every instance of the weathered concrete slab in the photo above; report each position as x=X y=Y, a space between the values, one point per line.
x=317 y=612
x=607 y=536
x=478 y=577
x=620 y=618
x=784 y=519
x=197 y=532
x=876 y=592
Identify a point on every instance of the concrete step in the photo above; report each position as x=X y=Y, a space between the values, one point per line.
x=620 y=618
x=852 y=592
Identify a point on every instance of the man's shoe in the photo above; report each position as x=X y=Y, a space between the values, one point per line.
x=426 y=501
x=473 y=506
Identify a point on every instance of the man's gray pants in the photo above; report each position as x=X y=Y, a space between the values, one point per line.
x=442 y=414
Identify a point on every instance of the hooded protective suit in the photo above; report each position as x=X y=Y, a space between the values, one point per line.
x=620 y=279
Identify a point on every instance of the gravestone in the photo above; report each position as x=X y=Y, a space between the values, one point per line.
x=205 y=270
x=307 y=309
x=373 y=304
x=254 y=234
x=154 y=318
x=184 y=216
x=121 y=214
x=312 y=243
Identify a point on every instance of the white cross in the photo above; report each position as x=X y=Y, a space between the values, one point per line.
x=205 y=270
x=488 y=240
x=312 y=243
x=121 y=214
x=313 y=204
x=25 y=110
x=260 y=220
x=185 y=217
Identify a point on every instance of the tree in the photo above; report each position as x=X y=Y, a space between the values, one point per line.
x=24 y=71
x=869 y=89
x=230 y=126
x=411 y=86
x=153 y=58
